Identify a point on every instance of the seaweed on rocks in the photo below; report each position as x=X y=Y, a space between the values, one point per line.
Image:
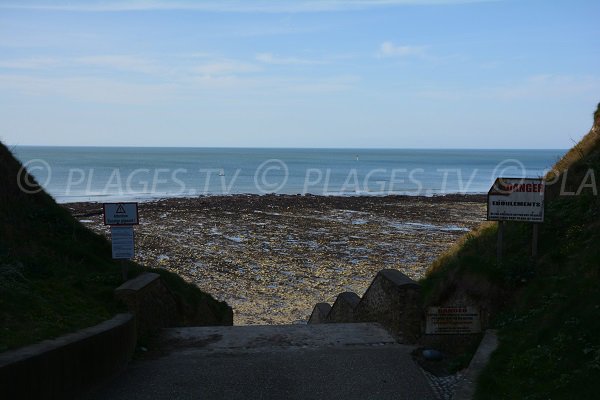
x=273 y=257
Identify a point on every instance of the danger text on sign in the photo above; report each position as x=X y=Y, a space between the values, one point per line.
x=452 y=321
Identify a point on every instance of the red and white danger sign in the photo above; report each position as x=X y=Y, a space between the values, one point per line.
x=516 y=199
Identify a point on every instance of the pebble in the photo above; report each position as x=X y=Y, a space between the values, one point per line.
x=274 y=257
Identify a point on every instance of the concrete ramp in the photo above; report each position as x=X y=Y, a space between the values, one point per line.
x=328 y=361
x=270 y=338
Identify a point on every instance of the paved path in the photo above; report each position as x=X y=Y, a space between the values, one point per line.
x=329 y=361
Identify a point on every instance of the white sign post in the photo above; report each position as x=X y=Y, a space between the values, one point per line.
x=516 y=199
x=121 y=217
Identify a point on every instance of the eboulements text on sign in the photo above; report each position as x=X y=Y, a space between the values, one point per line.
x=452 y=320
x=121 y=214
x=516 y=199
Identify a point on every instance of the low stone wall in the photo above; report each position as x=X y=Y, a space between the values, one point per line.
x=319 y=313
x=70 y=365
x=150 y=300
x=343 y=308
x=65 y=367
x=393 y=300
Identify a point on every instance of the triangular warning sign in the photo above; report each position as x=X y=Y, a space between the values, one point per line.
x=120 y=209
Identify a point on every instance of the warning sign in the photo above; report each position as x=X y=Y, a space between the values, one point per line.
x=121 y=214
x=452 y=321
x=516 y=199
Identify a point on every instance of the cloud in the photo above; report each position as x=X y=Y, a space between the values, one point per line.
x=115 y=62
x=225 y=68
x=189 y=65
x=269 y=58
x=92 y=78
x=234 y=6
x=87 y=89
x=543 y=86
x=121 y=62
x=389 y=49
x=548 y=86
x=214 y=81
x=30 y=63
x=322 y=85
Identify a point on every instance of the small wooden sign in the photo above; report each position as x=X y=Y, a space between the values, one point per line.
x=452 y=321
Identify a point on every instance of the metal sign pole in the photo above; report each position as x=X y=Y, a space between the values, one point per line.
x=124 y=269
x=499 y=242
x=534 y=240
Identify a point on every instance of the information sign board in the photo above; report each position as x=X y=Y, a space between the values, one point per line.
x=123 y=247
x=452 y=321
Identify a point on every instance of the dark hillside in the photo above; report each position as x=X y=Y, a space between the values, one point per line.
x=55 y=275
x=547 y=309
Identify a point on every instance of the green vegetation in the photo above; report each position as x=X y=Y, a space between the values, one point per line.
x=547 y=310
x=56 y=276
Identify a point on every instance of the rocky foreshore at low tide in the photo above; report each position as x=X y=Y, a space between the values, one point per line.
x=273 y=257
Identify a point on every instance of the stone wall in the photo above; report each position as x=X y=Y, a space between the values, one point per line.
x=65 y=367
x=70 y=365
x=343 y=308
x=319 y=313
x=392 y=299
x=151 y=301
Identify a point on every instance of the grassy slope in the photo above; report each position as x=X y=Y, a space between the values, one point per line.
x=548 y=311
x=55 y=275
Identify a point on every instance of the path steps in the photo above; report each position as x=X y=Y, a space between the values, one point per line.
x=325 y=361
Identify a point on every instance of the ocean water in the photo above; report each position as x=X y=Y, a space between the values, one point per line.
x=72 y=174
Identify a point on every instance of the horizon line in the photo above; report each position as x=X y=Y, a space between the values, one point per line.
x=284 y=148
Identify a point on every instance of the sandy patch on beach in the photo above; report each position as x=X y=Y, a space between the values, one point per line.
x=273 y=257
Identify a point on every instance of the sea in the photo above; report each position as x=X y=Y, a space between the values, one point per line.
x=98 y=174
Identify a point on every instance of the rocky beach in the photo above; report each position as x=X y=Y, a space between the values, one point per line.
x=273 y=257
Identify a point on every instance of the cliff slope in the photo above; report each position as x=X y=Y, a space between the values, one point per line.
x=546 y=309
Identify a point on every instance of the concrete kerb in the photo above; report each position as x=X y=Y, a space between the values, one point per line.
x=465 y=390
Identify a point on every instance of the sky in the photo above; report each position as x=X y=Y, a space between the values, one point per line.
x=304 y=73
